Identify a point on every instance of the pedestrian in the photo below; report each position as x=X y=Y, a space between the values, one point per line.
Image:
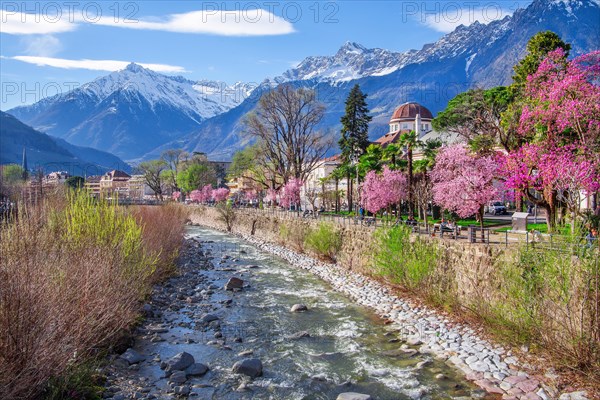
x=591 y=238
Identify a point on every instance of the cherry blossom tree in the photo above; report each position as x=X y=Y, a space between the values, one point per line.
x=557 y=173
x=563 y=100
x=251 y=195
x=205 y=194
x=176 y=196
x=220 y=195
x=195 y=196
x=380 y=191
x=464 y=182
x=271 y=196
x=289 y=194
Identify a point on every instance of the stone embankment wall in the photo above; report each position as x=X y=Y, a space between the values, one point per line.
x=470 y=266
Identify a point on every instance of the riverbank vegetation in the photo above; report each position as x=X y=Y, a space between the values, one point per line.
x=547 y=299
x=73 y=274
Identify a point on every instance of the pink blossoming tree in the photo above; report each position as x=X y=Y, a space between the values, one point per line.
x=205 y=194
x=176 y=196
x=194 y=196
x=563 y=100
x=289 y=194
x=220 y=195
x=380 y=191
x=463 y=182
x=557 y=173
x=271 y=197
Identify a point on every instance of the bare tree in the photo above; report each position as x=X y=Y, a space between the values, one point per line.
x=173 y=158
x=153 y=175
x=312 y=193
x=284 y=125
x=423 y=195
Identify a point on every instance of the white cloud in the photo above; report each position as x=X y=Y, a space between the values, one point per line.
x=44 y=45
x=241 y=22
x=18 y=23
x=449 y=17
x=254 y=22
x=94 y=65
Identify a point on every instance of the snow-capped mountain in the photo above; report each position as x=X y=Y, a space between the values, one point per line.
x=352 y=61
x=131 y=111
x=478 y=55
x=136 y=112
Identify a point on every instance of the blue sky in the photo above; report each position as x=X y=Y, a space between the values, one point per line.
x=46 y=47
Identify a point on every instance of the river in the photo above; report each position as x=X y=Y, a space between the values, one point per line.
x=347 y=349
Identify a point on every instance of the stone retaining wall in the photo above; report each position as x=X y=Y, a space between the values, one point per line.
x=471 y=266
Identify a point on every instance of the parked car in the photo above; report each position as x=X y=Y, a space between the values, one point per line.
x=496 y=208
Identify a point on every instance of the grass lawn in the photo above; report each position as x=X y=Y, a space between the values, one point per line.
x=542 y=228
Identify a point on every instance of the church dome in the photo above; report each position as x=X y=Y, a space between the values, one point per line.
x=409 y=111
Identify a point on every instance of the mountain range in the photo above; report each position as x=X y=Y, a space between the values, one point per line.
x=136 y=113
x=50 y=153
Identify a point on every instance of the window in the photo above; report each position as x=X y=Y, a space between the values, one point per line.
x=404 y=126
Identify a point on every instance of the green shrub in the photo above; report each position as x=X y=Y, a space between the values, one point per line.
x=293 y=236
x=325 y=241
x=551 y=298
x=405 y=261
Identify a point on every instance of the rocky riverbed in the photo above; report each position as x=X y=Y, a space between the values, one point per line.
x=238 y=323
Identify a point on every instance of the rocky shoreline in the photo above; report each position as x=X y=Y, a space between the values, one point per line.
x=489 y=366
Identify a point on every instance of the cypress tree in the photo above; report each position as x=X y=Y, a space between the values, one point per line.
x=354 y=138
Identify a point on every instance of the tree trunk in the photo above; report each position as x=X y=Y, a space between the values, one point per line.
x=551 y=211
x=337 y=196
x=480 y=214
x=350 y=189
x=518 y=201
x=410 y=181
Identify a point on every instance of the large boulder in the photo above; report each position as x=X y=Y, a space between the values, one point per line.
x=132 y=356
x=234 y=283
x=251 y=367
x=353 y=396
x=178 y=362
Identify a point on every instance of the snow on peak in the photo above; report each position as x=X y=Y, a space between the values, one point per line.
x=352 y=61
x=202 y=99
x=133 y=67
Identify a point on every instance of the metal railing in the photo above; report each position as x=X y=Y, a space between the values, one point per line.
x=471 y=234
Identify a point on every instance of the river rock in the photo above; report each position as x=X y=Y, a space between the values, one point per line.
x=206 y=318
x=178 y=377
x=251 y=367
x=179 y=362
x=234 y=283
x=298 y=335
x=196 y=369
x=298 y=308
x=353 y=396
x=132 y=356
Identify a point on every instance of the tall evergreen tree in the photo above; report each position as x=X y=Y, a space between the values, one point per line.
x=354 y=138
x=538 y=48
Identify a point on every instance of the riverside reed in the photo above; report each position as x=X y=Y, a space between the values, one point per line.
x=73 y=274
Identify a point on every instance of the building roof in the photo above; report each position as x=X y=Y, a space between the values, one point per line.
x=391 y=137
x=117 y=173
x=409 y=111
x=93 y=179
x=332 y=158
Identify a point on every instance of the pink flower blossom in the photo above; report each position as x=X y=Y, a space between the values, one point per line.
x=380 y=191
x=289 y=194
x=219 y=195
x=463 y=182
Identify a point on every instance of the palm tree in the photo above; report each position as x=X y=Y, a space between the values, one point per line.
x=409 y=141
